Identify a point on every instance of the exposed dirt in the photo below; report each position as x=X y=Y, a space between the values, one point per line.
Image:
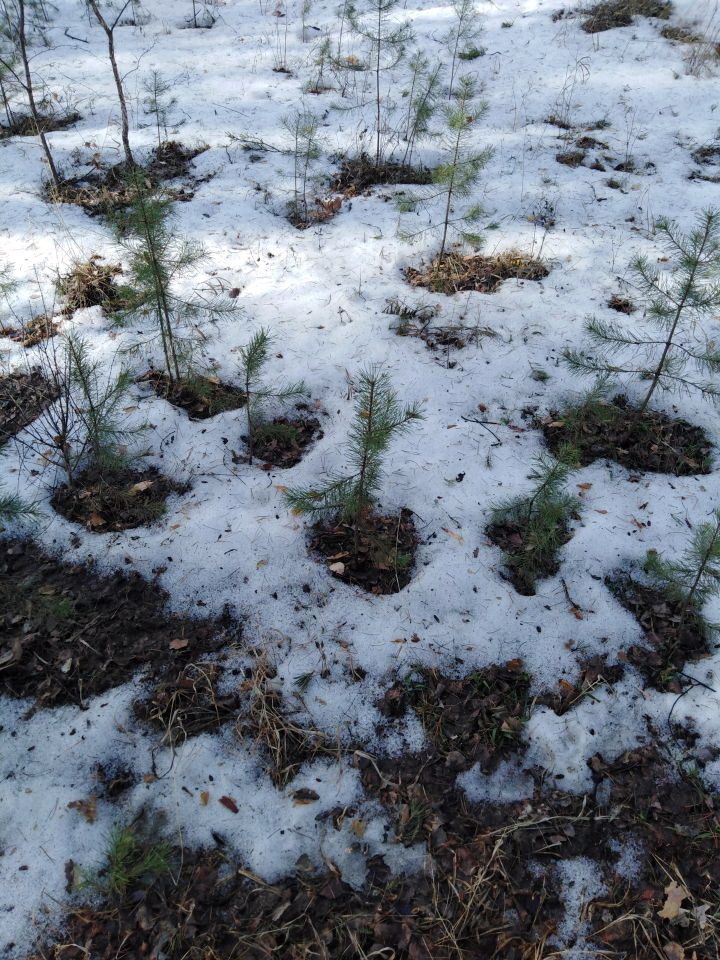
x=673 y=636
x=621 y=304
x=594 y=672
x=67 y=634
x=455 y=272
x=709 y=153
x=490 y=890
x=104 y=191
x=526 y=560
x=378 y=558
x=107 y=501
x=319 y=210
x=23 y=397
x=616 y=431
x=200 y=397
x=570 y=158
x=283 y=441
x=358 y=174
x=621 y=13
x=23 y=125
x=477 y=718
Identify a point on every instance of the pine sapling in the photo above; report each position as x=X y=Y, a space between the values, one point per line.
x=422 y=98
x=462 y=35
x=253 y=359
x=455 y=178
x=302 y=125
x=158 y=105
x=695 y=577
x=379 y=418
x=14 y=509
x=669 y=351
x=388 y=41
x=158 y=257
x=535 y=526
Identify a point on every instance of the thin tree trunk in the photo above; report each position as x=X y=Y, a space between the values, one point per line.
x=110 y=34
x=363 y=467
x=31 y=95
x=448 y=205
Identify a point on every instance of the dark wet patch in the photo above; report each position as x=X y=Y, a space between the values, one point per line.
x=358 y=174
x=200 y=397
x=68 y=634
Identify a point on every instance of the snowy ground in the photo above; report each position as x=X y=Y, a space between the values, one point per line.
x=232 y=541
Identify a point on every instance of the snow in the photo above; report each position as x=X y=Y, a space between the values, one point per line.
x=231 y=541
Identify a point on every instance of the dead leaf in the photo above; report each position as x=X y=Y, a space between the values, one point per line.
x=304 y=796
x=204 y=798
x=338 y=568
x=229 y=803
x=141 y=486
x=95 y=520
x=88 y=808
x=451 y=533
x=674 y=951
x=358 y=827
x=675 y=895
x=179 y=643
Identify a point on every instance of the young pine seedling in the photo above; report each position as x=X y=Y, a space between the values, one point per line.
x=157 y=259
x=422 y=99
x=158 y=105
x=83 y=428
x=379 y=418
x=130 y=862
x=666 y=351
x=461 y=37
x=388 y=41
x=695 y=577
x=535 y=526
x=253 y=359
x=13 y=508
x=302 y=125
x=455 y=178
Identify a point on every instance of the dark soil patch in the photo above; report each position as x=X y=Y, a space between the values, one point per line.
x=104 y=191
x=23 y=397
x=570 y=158
x=67 y=634
x=680 y=35
x=616 y=431
x=673 y=636
x=282 y=442
x=455 y=272
x=710 y=153
x=200 y=397
x=527 y=561
x=93 y=284
x=555 y=121
x=358 y=174
x=380 y=559
x=477 y=718
x=187 y=703
x=24 y=125
x=105 y=502
x=114 y=779
x=621 y=304
x=480 y=898
x=621 y=13
x=590 y=143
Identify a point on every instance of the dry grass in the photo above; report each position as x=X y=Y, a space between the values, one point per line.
x=91 y=283
x=455 y=272
x=268 y=725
